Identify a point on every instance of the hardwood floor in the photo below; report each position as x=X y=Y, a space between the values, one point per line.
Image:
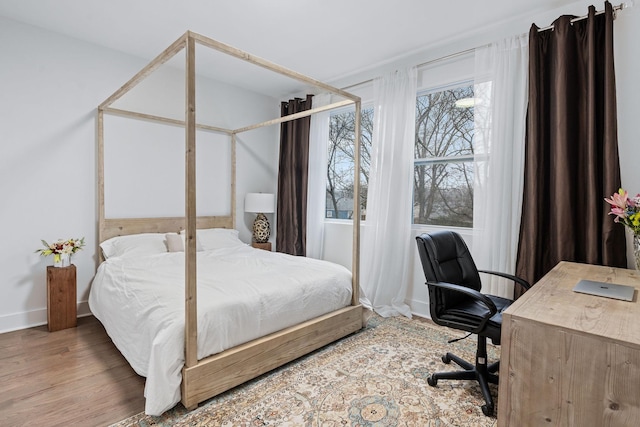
x=72 y=377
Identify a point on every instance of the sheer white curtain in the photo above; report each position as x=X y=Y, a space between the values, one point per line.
x=317 y=177
x=386 y=232
x=500 y=110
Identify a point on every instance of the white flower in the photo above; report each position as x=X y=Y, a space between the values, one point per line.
x=69 y=246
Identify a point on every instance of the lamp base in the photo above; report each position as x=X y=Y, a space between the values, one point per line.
x=261 y=229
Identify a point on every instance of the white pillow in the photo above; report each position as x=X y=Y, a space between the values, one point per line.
x=134 y=245
x=175 y=242
x=217 y=238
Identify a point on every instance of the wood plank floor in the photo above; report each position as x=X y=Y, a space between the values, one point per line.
x=73 y=377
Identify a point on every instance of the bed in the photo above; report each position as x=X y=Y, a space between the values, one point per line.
x=200 y=366
x=244 y=294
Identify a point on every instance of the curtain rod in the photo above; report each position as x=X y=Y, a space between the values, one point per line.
x=466 y=51
x=423 y=64
x=580 y=18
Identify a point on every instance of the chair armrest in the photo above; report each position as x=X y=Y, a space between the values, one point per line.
x=516 y=279
x=483 y=299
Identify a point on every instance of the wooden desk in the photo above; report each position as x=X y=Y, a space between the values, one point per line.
x=570 y=359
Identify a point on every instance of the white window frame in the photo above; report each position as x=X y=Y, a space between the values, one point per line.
x=466 y=158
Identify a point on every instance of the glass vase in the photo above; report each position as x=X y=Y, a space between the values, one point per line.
x=61 y=260
x=636 y=250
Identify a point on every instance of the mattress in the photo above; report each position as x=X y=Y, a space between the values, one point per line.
x=243 y=293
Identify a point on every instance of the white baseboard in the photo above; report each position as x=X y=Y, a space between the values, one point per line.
x=420 y=308
x=29 y=319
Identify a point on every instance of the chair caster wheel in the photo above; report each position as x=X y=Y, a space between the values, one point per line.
x=487 y=410
x=446 y=360
x=432 y=381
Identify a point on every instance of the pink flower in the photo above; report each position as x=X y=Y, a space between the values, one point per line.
x=626 y=210
x=618 y=212
x=619 y=200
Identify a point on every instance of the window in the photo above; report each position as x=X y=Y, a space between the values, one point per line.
x=443 y=165
x=340 y=162
x=443 y=160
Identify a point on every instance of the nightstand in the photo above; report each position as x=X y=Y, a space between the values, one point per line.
x=61 y=298
x=265 y=246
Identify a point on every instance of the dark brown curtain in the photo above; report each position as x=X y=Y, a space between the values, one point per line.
x=291 y=236
x=571 y=160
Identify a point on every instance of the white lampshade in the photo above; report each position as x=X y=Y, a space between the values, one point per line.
x=259 y=202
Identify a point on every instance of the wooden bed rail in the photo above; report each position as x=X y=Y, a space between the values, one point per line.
x=223 y=371
x=113 y=227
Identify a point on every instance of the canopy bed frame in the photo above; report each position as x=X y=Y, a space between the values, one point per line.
x=205 y=378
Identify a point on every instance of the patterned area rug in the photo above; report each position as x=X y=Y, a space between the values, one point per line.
x=376 y=377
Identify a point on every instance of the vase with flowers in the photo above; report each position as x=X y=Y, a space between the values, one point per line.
x=627 y=211
x=61 y=250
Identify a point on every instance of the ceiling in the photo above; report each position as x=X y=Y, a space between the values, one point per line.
x=325 y=39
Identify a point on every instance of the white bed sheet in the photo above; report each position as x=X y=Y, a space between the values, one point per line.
x=243 y=293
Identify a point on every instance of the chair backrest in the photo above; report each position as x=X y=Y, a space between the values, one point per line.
x=446 y=258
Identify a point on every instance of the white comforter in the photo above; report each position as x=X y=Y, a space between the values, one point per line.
x=243 y=294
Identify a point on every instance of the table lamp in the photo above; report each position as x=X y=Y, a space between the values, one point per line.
x=260 y=203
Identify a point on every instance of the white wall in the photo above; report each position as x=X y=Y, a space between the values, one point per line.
x=50 y=86
x=627 y=58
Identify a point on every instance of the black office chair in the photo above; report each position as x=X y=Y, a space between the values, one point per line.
x=455 y=301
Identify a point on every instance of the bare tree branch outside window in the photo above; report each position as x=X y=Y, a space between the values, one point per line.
x=340 y=163
x=443 y=176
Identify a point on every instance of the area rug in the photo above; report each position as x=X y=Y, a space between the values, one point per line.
x=375 y=377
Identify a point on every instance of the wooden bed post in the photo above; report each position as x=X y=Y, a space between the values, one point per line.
x=101 y=215
x=233 y=178
x=355 y=267
x=191 y=323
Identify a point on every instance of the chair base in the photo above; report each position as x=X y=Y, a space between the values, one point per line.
x=481 y=372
